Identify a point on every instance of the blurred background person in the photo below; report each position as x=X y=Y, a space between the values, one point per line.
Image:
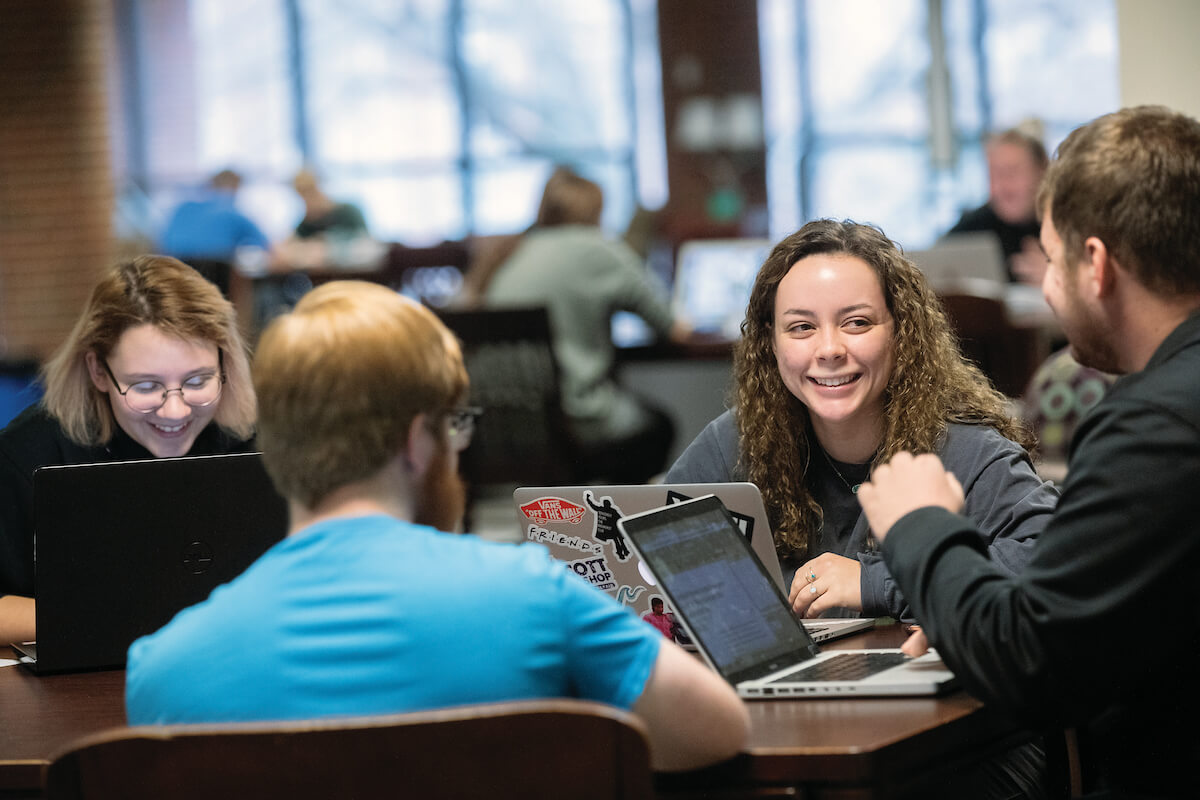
x=1016 y=161
x=565 y=263
x=322 y=214
x=207 y=230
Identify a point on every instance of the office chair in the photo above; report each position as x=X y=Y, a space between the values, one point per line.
x=534 y=750
x=522 y=436
x=1008 y=355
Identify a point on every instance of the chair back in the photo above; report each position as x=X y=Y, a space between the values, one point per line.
x=1008 y=355
x=534 y=750
x=523 y=436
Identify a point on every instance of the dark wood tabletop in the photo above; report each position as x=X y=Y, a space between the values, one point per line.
x=40 y=715
x=855 y=748
x=886 y=747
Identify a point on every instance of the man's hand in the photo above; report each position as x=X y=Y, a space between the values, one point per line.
x=1029 y=264
x=825 y=582
x=904 y=484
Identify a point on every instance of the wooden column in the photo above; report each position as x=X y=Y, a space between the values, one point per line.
x=55 y=184
x=712 y=107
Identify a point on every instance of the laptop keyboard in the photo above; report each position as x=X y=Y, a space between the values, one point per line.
x=844 y=667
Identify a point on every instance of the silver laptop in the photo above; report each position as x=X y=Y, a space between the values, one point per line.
x=742 y=624
x=964 y=262
x=578 y=524
x=712 y=282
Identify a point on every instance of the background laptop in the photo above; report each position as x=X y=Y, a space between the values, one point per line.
x=121 y=547
x=961 y=261
x=712 y=282
x=743 y=625
x=578 y=524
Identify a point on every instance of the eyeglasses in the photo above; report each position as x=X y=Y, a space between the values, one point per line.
x=462 y=425
x=145 y=397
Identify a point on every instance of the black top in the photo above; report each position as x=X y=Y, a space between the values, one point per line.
x=1012 y=237
x=1100 y=631
x=35 y=439
x=343 y=218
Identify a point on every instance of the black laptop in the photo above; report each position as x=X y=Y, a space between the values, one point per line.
x=121 y=547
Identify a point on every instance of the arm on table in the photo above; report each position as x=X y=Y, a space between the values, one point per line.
x=693 y=716
x=16 y=619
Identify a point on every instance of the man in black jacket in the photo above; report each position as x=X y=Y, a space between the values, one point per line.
x=1100 y=631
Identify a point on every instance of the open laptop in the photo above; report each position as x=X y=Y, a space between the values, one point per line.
x=712 y=283
x=963 y=261
x=578 y=524
x=121 y=547
x=742 y=624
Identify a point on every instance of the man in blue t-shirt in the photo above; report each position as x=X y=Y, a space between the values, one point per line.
x=368 y=606
x=209 y=226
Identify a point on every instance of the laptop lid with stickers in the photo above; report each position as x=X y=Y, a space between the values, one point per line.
x=578 y=524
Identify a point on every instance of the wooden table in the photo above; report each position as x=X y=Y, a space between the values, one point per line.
x=40 y=715
x=844 y=748
x=854 y=748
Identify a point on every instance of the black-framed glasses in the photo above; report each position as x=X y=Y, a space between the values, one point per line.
x=461 y=425
x=145 y=397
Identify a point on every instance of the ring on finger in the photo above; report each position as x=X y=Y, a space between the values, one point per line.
x=812 y=576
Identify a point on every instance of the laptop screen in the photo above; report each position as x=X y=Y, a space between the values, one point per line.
x=712 y=282
x=719 y=587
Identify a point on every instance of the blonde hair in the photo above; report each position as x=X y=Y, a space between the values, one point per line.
x=340 y=380
x=930 y=386
x=175 y=299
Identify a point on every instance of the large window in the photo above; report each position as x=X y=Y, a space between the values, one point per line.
x=877 y=109
x=438 y=117
x=442 y=118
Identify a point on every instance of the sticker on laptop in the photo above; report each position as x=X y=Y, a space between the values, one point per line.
x=593 y=570
x=607 y=515
x=536 y=533
x=545 y=510
x=744 y=521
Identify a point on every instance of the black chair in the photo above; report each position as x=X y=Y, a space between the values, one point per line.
x=523 y=436
x=214 y=271
x=533 y=750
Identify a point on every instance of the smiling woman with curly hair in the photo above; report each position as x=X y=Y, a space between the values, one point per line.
x=846 y=357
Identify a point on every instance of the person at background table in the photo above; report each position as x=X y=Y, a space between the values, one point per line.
x=1099 y=632
x=207 y=230
x=324 y=216
x=1016 y=162
x=565 y=263
x=360 y=430
x=846 y=358
x=154 y=368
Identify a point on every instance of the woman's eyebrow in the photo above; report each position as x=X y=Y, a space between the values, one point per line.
x=804 y=312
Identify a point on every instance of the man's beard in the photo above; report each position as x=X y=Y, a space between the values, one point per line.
x=443 y=497
x=1088 y=337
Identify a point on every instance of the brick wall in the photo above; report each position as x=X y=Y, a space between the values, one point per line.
x=55 y=182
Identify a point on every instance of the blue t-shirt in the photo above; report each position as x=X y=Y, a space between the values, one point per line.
x=373 y=615
x=210 y=227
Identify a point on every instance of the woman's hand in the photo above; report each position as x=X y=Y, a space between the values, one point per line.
x=825 y=582
x=917 y=643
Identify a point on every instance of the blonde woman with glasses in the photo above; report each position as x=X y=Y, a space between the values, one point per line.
x=154 y=368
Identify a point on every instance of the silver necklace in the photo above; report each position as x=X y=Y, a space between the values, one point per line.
x=852 y=487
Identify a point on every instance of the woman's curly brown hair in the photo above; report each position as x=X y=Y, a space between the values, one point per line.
x=931 y=385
